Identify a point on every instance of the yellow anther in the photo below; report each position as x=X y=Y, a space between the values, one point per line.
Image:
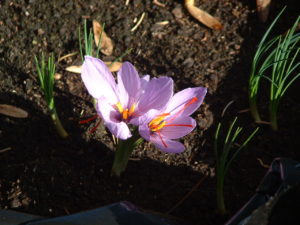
x=158 y=126
x=157 y=123
x=119 y=107
x=125 y=112
x=131 y=110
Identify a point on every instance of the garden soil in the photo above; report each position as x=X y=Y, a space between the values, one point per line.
x=42 y=174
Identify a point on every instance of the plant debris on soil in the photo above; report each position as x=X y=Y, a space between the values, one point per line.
x=44 y=175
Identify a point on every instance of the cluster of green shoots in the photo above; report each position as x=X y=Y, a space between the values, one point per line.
x=276 y=61
x=225 y=153
x=88 y=41
x=46 y=72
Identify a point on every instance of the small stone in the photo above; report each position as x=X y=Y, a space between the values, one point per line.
x=177 y=12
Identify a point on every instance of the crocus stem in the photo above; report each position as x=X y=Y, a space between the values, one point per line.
x=220 y=193
x=123 y=152
x=253 y=110
x=273 y=118
x=59 y=127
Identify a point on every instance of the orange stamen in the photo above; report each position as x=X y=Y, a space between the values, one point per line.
x=125 y=114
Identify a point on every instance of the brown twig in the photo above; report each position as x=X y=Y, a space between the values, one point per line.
x=263 y=7
x=202 y=16
x=5 y=149
x=156 y=2
x=67 y=56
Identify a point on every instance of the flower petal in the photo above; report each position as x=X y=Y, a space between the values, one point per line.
x=159 y=140
x=144 y=82
x=98 y=79
x=178 y=128
x=157 y=94
x=111 y=118
x=120 y=130
x=166 y=145
x=144 y=131
x=107 y=111
x=129 y=84
x=187 y=101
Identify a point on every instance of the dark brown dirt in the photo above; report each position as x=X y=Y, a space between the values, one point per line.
x=47 y=176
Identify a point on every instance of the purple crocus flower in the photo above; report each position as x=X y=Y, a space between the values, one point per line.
x=126 y=101
x=160 y=127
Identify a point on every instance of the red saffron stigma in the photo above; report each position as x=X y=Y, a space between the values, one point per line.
x=178 y=125
x=95 y=127
x=88 y=120
x=193 y=100
x=162 y=140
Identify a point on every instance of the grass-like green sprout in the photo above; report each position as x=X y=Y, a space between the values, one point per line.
x=259 y=67
x=88 y=42
x=285 y=69
x=276 y=61
x=46 y=73
x=225 y=154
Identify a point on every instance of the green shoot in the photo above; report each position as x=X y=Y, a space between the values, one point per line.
x=258 y=68
x=285 y=69
x=225 y=156
x=88 y=41
x=46 y=76
x=123 y=152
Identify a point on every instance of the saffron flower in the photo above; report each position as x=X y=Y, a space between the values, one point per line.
x=119 y=104
x=161 y=127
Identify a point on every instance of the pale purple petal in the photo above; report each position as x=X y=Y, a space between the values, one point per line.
x=178 y=128
x=187 y=101
x=128 y=84
x=144 y=131
x=107 y=111
x=98 y=79
x=120 y=130
x=145 y=118
x=166 y=145
x=157 y=94
x=144 y=82
x=111 y=118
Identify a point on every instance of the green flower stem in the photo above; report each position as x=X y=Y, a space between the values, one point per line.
x=123 y=152
x=220 y=195
x=59 y=127
x=273 y=118
x=253 y=110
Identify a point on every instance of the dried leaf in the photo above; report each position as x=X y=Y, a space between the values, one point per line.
x=202 y=16
x=106 y=43
x=113 y=68
x=263 y=7
x=116 y=66
x=74 y=69
x=67 y=56
x=13 y=111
